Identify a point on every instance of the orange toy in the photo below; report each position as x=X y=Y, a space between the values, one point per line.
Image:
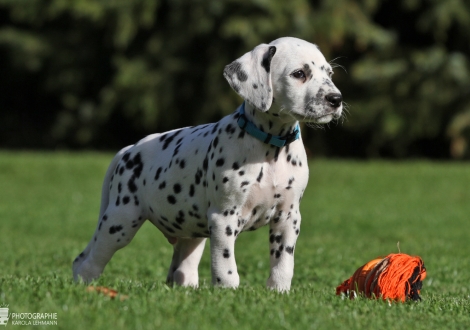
x=398 y=276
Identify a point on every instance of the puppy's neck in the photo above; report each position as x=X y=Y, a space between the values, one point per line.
x=271 y=121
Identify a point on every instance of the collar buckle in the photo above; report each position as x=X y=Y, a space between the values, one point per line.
x=291 y=137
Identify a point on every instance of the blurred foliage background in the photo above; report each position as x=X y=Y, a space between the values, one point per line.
x=101 y=74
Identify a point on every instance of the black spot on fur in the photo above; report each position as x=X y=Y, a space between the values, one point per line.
x=191 y=190
x=260 y=175
x=266 y=63
x=225 y=179
x=198 y=176
x=162 y=185
x=290 y=249
x=138 y=165
x=138 y=170
x=180 y=217
x=131 y=184
x=235 y=166
x=129 y=164
x=177 y=188
x=214 y=129
x=126 y=200
x=170 y=139
x=171 y=199
x=235 y=68
x=228 y=231
x=177 y=149
x=230 y=129
x=226 y=254
x=220 y=162
x=115 y=229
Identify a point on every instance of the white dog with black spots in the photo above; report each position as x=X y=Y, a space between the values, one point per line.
x=217 y=180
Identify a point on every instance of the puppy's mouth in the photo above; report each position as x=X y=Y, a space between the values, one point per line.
x=323 y=107
x=321 y=116
x=326 y=118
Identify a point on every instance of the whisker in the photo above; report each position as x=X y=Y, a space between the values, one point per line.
x=336 y=65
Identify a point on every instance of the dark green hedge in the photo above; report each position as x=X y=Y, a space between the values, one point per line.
x=100 y=74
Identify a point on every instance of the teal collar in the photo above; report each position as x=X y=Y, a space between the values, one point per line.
x=275 y=140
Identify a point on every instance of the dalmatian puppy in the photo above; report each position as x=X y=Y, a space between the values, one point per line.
x=217 y=180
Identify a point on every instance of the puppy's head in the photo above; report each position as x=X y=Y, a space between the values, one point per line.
x=293 y=73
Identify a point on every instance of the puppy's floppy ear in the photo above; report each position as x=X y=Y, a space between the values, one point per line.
x=250 y=76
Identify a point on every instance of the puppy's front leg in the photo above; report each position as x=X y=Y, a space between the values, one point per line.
x=282 y=238
x=223 y=227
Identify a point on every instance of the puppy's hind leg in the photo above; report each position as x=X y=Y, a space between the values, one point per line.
x=105 y=192
x=187 y=253
x=116 y=229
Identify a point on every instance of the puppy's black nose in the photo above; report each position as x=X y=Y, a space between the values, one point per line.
x=334 y=99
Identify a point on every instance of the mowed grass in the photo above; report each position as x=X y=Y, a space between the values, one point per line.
x=352 y=212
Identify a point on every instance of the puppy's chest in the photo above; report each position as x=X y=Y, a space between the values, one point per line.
x=263 y=188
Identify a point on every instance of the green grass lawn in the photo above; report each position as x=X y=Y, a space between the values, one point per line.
x=351 y=212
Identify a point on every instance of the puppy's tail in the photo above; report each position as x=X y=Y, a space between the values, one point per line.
x=107 y=180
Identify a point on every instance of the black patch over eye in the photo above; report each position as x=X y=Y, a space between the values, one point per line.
x=299 y=74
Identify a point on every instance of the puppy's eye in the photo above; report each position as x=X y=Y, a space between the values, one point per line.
x=299 y=74
x=330 y=74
